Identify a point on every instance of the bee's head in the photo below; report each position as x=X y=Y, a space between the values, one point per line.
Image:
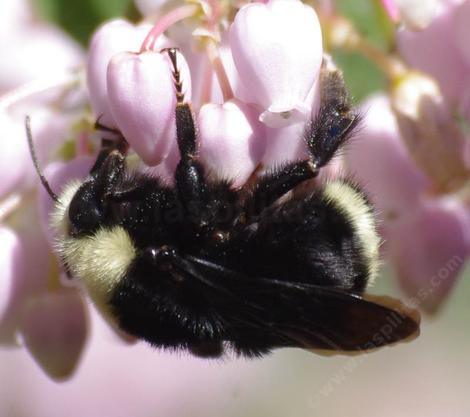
x=96 y=255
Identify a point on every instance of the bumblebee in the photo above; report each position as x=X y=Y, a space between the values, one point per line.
x=203 y=267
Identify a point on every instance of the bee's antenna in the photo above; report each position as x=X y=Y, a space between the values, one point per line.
x=44 y=182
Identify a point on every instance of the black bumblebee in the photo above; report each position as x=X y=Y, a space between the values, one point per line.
x=206 y=268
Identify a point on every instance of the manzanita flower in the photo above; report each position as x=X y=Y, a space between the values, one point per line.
x=266 y=58
x=415 y=14
x=462 y=30
x=429 y=130
x=444 y=60
x=110 y=39
x=12 y=270
x=53 y=328
x=277 y=49
x=142 y=100
x=31 y=49
x=233 y=141
x=425 y=235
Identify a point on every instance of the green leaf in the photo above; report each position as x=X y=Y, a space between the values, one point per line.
x=80 y=18
x=362 y=77
x=370 y=19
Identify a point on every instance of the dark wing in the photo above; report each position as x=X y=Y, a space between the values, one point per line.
x=287 y=313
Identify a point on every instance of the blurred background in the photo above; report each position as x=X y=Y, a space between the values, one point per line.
x=429 y=377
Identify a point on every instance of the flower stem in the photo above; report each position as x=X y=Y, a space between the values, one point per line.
x=206 y=90
x=218 y=66
x=165 y=22
x=390 y=65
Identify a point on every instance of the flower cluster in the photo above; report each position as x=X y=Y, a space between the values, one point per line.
x=251 y=71
x=255 y=85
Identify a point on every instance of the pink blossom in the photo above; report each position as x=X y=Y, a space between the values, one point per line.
x=110 y=39
x=12 y=148
x=434 y=51
x=12 y=260
x=277 y=49
x=424 y=234
x=428 y=249
x=462 y=30
x=23 y=40
x=53 y=329
x=143 y=101
x=232 y=140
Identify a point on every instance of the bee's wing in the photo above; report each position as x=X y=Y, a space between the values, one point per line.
x=308 y=316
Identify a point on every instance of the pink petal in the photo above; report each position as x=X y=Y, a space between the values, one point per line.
x=147 y=7
x=284 y=145
x=48 y=48
x=462 y=30
x=428 y=249
x=54 y=330
x=433 y=50
x=166 y=170
x=13 y=147
x=417 y=14
x=277 y=49
x=111 y=38
x=232 y=140
x=142 y=100
x=12 y=259
x=378 y=158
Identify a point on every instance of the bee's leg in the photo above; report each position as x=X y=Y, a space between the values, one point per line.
x=108 y=145
x=324 y=135
x=189 y=176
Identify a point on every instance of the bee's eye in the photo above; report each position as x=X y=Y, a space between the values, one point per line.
x=86 y=214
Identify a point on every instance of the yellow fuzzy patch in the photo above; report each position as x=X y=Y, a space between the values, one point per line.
x=99 y=261
x=356 y=208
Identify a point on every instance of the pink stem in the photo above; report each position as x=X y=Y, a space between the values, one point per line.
x=206 y=90
x=165 y=22
x=219 y=70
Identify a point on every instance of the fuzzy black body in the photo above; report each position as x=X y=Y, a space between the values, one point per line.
x=304 y=240
x=273 y=264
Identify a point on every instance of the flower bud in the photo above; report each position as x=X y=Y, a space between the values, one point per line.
x=54 y=330
x=417 y=14
x=142 y=100
x=111 y=38
x=277 y=49
x=433 y=138
x=232 y=140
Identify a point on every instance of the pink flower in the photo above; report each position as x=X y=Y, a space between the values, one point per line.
x=110 y=39
x=277 y=49
x=142 y=100
x=24 y=40
x=434 y=51
x=12 y=260
x=425 y=236
x=54 y=329
x=232 y=140
x=428 y=249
